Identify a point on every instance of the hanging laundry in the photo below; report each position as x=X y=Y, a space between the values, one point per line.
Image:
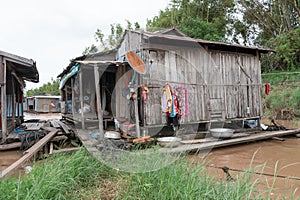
x=181 y=104
x=166 y=99
x=187 y=110
x=267 y=88
x=175 y=109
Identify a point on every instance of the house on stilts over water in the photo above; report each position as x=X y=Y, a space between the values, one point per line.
x=155 y=83
x=14 y=70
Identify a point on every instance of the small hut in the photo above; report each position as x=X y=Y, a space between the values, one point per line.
x=14 y=70
x=213 y=84
x=42 y=104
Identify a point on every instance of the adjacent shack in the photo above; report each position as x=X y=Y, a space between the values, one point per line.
x=14 y=70
x=42 y=104
x=212 y=84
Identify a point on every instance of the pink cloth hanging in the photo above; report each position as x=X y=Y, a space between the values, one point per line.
x=186 y=97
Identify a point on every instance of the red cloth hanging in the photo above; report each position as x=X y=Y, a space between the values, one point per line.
x=267 y=88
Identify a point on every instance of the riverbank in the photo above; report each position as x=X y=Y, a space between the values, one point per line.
x=80 y=176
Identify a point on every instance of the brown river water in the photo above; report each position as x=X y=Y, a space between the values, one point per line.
x=269 y=157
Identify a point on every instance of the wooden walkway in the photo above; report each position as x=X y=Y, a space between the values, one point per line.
x=229 y=142
x=88 y=141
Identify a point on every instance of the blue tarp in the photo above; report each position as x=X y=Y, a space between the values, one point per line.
x=64 y=79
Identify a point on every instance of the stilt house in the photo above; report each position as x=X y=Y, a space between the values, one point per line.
x=215 y=84
x=14 y=70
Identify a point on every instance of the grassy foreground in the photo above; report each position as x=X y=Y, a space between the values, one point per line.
x=80 y=176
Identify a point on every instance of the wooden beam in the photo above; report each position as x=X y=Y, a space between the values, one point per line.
x=51 y=148
x=81 y=97
x=14 y=145
x=29 y=153
x=99 y=106
x=73 y=96
x=137 y=121
x=63 y=126
x=229 y=142
x=13 y=102
x=69 y=150
x=3 y=103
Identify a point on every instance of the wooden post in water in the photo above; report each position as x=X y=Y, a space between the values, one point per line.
x=99 y=106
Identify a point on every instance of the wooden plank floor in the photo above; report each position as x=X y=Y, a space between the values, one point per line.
x=228 y=142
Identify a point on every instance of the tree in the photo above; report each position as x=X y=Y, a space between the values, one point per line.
x=197 y=18
x=113 y=39
x=50 y=88
x=273 y=24
x=267 y=19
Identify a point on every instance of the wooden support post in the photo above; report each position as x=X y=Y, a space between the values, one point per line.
x=13 y=101
x=99 y=106
x=73 y=98
x=3 y=102
x=81 y=98
x=51 y=148
x=137 y=121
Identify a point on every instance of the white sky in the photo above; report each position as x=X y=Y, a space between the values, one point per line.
x=51 y=32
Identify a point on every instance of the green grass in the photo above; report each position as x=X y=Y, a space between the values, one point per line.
x=284 y=95
x=56 y=178
x=80 y=176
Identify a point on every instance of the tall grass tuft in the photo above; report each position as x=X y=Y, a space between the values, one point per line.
x=184 y=180
x=56 y=178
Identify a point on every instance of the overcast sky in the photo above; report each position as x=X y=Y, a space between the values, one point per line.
x=51 y=32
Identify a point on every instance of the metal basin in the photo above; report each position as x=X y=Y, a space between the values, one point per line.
x=221 y=132
x=112 y=135
x=169 y=141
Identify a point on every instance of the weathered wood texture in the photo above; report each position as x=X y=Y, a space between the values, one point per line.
x=228 y=142
x=14 y=145
x=221 y=84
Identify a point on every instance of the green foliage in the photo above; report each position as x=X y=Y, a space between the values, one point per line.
x=287 y=47
x=184 y=180
x=81 y=176
x=50 y=88
x=196 y=28
x=196 y=18
x=267 y=19
x=284 y=95
x=56 y=178
x=112 y=40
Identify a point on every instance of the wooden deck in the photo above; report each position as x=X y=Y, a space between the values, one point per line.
x=228 y=142
x=90 y=143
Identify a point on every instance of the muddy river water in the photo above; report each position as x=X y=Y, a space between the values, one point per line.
x=269 y=157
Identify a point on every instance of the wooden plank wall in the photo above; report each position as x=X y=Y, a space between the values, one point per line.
x=216 y=80
x=242 y=83
x=182 y=68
